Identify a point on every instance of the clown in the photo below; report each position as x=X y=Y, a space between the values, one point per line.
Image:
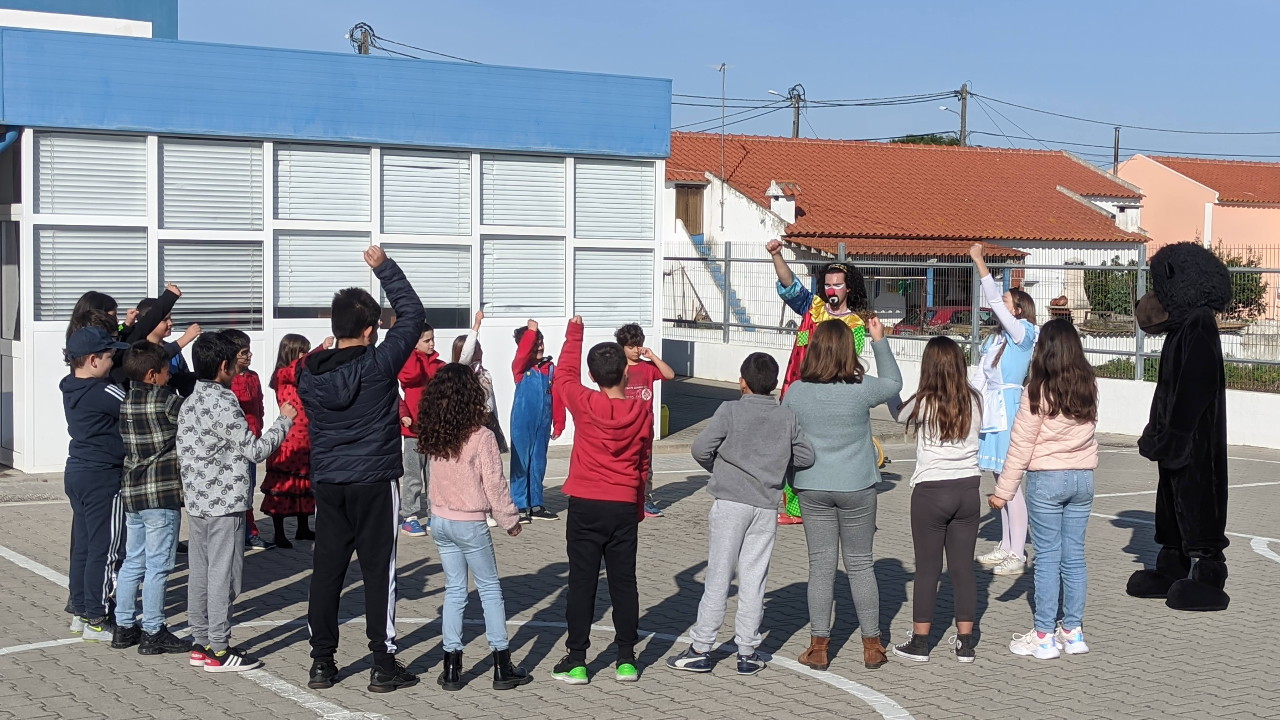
x=844 y=296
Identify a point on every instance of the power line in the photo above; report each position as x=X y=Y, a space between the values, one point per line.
x=717 y=119
x=993 y=122
x=1131 y=127
x=1133 y=149
x=1006 y=117
x=805 y=115
x=377 y=37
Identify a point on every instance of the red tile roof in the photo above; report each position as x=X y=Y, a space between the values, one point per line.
x=686 y=176
x=864 y=247
x=890 y=191
x=1235 y=180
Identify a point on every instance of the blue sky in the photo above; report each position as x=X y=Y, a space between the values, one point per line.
x=1173 y=64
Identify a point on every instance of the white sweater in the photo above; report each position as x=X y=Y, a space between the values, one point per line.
x=941 y=460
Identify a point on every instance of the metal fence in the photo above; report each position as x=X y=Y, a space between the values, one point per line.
x=720 y=298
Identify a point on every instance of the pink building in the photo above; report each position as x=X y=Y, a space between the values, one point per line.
x=1230 y=204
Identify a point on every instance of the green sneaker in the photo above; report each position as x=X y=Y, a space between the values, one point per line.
x=570 y=671
x=627 y=672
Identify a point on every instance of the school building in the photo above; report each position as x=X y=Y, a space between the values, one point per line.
x=254 y=178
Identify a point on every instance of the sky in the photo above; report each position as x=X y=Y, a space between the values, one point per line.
x=1172 y=64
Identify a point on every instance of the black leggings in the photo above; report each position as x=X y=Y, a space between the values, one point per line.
x=944 y=515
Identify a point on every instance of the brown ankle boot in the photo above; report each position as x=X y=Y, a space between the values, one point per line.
x=873 y=653
x=816 y=656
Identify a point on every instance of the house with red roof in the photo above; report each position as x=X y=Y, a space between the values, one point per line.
x=1231 y=204
x=882 y=202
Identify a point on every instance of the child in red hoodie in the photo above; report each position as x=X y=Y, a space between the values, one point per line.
x=422 y=365
x=247 y=387
x=607 y=470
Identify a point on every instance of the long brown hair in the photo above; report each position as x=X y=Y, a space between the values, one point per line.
x=292 y=347
x=1024 y=307
x=452 y=408
x=832 y=357
x=1061 y=380
x=944 y=403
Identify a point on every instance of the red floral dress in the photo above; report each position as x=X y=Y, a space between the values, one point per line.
x=286 y=489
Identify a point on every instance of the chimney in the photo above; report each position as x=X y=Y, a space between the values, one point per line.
x=782 y=199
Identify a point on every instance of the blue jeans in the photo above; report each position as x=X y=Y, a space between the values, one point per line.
x=1058 y=505
x=149 y=554
x=466 y=545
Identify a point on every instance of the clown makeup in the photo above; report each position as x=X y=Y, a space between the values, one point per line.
x=833 y=285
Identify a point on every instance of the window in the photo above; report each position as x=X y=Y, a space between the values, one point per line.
x=426 y=193
x=211 y=185
x=72 y=261
x=522 y=276
x=613 y=200
x=527 y=191
x=613 y=287
x=441 y=275
x=315 y=182
x=91 y=174
x=221 y=282
x=10 y=279
x=312 y=266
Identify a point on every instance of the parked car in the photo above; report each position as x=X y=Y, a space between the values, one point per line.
x=941 y=320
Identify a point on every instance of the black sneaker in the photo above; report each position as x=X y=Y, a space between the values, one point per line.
x=385 y=681
x=917 y=648
x=182 y=547
x=541 y=513
x=323 y=672
x=257 y=542
x=162 y=642
x=964 y=645
x=526 y=517
x=229 y=660
x=125 y=637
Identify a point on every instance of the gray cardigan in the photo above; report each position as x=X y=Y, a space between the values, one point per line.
x=749 y=446
x=836 y=417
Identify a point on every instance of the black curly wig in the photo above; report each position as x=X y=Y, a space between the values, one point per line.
x=1186 y=276
x=853 y=280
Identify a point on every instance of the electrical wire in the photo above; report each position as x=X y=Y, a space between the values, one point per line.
x=429 y=52
x=1006 y=117
x=993 y=122
x=1132 y=149
x=1130 y=127
x=717 y=118
x=717 y=127
x=805 y=114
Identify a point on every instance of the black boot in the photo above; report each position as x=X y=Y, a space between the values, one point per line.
x=1203 y=591
x=451 y=676
x=1171 y=566
x=505 y=675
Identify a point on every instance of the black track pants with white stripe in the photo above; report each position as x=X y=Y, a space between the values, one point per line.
x=366 y=519
x=97 y=544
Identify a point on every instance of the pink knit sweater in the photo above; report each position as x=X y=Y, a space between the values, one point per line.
x=467 y=487
x=1043 y=443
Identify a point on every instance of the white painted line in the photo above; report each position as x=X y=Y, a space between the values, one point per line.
x=23 y=561
x=1229 y=457
x=33 y=502
x=1153 y=492
x=1259 y=546
x=321 y=707
x=40 y=645
x=1142 y=521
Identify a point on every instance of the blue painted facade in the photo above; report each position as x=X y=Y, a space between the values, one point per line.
x=99 y=82
x=162 y=14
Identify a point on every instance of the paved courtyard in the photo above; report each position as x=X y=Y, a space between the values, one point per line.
x=1146 y=661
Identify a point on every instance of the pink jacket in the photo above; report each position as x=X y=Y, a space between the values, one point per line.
x=467 y=487
x=1042 y=443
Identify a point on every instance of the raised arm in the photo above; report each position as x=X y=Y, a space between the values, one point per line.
x=888 y=380
x=792 y=291
x=567 y=383
x=524 y=358
x=663 y=368
x=147 y=323
x=394 y=350
x=994 y=296
x=901 y=411
x=469 y=345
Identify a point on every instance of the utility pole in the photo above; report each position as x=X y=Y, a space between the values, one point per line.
x=964 y=115
x=1115 y=157
x=796 y=96
x=363 y=40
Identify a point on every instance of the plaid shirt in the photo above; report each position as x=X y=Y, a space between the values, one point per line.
x=149 y=426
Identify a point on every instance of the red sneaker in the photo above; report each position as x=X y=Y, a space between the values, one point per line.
x=785 y=519
x=199 y=656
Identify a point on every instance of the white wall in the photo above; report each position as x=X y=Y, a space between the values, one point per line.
x=1123 y=404
x=74 y=23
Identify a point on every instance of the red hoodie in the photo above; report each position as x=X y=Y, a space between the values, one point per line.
x=248 y=390
x=414 y=376
x=612 y=437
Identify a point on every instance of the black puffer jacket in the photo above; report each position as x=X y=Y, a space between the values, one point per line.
x=352 y=397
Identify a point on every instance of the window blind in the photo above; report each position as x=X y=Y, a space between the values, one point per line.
x=524 y=191
x=316 y=182
x=82 y=174
x=312 y=266
x=211 y=185
x=522 y=276
x=72 y=261
x=613 y=200
x=441 y=275
x=613 y=287
x=221 y=282
x=427 y=193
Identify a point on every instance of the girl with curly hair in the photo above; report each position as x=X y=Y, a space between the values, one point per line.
x=466 y=484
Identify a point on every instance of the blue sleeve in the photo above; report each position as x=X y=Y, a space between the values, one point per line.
x=393 y=352
x=796 y=296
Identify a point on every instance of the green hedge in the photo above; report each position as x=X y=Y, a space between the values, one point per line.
x=1258 y=378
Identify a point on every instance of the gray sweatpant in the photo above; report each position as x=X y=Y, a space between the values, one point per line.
x=740 y=537
x=215 y=565
x=413 y=488
x=835 y=524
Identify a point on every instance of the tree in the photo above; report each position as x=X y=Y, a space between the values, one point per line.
x=931 y=139
x=1112 y=291
x=1248 y=289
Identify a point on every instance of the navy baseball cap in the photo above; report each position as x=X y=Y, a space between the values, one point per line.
x=91 y=341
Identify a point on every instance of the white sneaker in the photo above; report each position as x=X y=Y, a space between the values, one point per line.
x=1040 y=648
x=1012 y=565
x=77 y=625
x=490 y=521
x=995 y=557
x=1071 y=641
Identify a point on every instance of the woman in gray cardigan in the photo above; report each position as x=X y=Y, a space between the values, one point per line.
x=833 y=401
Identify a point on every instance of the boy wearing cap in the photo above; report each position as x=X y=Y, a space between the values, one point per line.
x=95 y=462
